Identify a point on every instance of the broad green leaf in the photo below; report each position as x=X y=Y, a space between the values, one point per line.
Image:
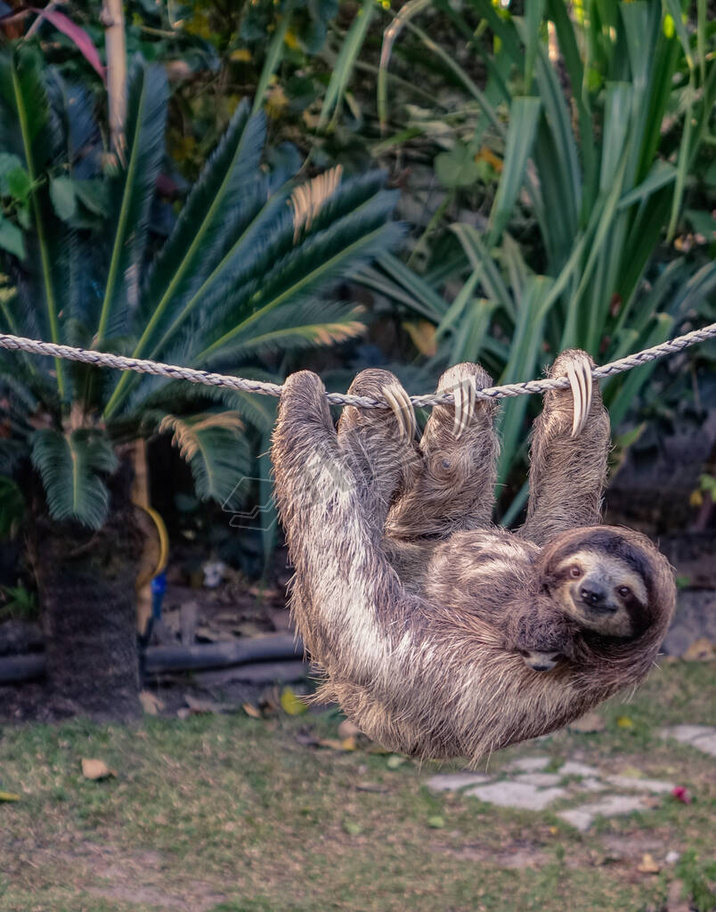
x=524 y=115
x=480 y=256
x=617 y=115
x=405 y=286
x=457 y=168
x=11 y=238
x=273 y=58
x=534 y=10
x=343 y=67
x=522 y=365
x=62 y=194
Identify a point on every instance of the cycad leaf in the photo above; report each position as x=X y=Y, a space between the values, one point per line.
x=214 y=446
x=70 y=466
x=214 y=214
x=297 y=326
x=322 y=257
x=131 y=193
x=25 y=111
x=198 y=241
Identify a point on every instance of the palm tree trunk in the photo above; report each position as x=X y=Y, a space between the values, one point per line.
x=86 y=584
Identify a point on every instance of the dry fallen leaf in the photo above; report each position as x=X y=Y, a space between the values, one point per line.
x=588 y=724
x=252 y=711
x=648 y=865
x=96 y=769
x=701 y=650
x=291 y=703
x=348 y=729
x=625 y=722
x=197 y=705
x=151 y=704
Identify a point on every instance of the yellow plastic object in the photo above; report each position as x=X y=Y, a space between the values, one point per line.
x=156 y=553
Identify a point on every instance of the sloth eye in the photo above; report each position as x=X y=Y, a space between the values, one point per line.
x=624 y=591
x=575 y=572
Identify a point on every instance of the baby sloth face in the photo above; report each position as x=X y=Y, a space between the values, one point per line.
x=599 y=590
x=601 y=593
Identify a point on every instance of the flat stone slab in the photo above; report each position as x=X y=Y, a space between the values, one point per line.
x=528 y=764
x=452 y=782
x=572 y=768
x=654 y=786
x=611 y=806
x=702 y=737
x=519 y=795
x=541 y=780
x=588 y=784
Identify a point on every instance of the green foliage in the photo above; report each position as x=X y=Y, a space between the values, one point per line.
x=606 y=114
x=243 y=272
x=18 y=603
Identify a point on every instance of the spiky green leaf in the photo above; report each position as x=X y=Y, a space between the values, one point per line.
x=131 y=192
x=214 y=446
x=72 y=467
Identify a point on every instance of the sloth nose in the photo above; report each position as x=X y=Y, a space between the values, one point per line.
x=594 y=596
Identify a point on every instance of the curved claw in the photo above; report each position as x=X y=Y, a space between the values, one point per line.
x=581 y=383
x=464 y=394
x=402 y=408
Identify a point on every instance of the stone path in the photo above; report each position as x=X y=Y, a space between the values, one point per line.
x=530 y=783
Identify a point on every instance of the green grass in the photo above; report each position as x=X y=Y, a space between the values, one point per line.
x=231 y=814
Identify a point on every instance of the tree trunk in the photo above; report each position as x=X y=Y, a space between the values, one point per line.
x=86 y=584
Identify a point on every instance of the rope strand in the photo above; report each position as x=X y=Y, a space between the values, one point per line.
x=175 y=372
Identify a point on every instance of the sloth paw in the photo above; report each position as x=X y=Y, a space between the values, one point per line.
x=577 y=366
x=382 y=384
x=304 y=396
x=463 y=381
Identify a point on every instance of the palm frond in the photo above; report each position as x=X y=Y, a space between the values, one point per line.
x=293 y=327
x=131 y=192
x=334 y=253
x=215 y=448
x=71 y=466
x=34 y=140
x=213 y=213
x=308 y=199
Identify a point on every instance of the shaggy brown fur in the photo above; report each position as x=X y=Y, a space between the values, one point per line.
x=418 y=610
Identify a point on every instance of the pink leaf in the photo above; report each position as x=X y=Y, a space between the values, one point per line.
x=80 y=37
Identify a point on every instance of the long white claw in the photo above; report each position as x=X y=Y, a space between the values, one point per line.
x=402 y=408
x=581 y=383
x=465 y=399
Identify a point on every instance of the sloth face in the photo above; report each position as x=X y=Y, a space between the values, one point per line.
x=540 y=661
x=601 y=592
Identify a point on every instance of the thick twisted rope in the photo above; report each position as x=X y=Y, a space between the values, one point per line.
x=175 y=372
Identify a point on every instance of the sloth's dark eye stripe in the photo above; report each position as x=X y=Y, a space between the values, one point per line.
x=606 y=542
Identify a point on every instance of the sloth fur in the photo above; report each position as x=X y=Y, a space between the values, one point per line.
x=440 y=634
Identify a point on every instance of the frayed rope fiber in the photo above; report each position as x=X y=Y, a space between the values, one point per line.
x=175 y=372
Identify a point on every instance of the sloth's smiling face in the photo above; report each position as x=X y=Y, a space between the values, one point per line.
x=601 y=592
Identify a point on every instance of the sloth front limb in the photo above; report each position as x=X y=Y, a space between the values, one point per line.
x=568 y=457
x=454 y=487
x=348 y=604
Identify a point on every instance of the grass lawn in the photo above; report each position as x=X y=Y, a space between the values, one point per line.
x=235 y=814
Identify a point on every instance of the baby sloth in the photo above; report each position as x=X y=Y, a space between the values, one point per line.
x=440 y=634
x=598 y=593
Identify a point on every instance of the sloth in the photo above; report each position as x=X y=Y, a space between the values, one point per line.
x=440 y=634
